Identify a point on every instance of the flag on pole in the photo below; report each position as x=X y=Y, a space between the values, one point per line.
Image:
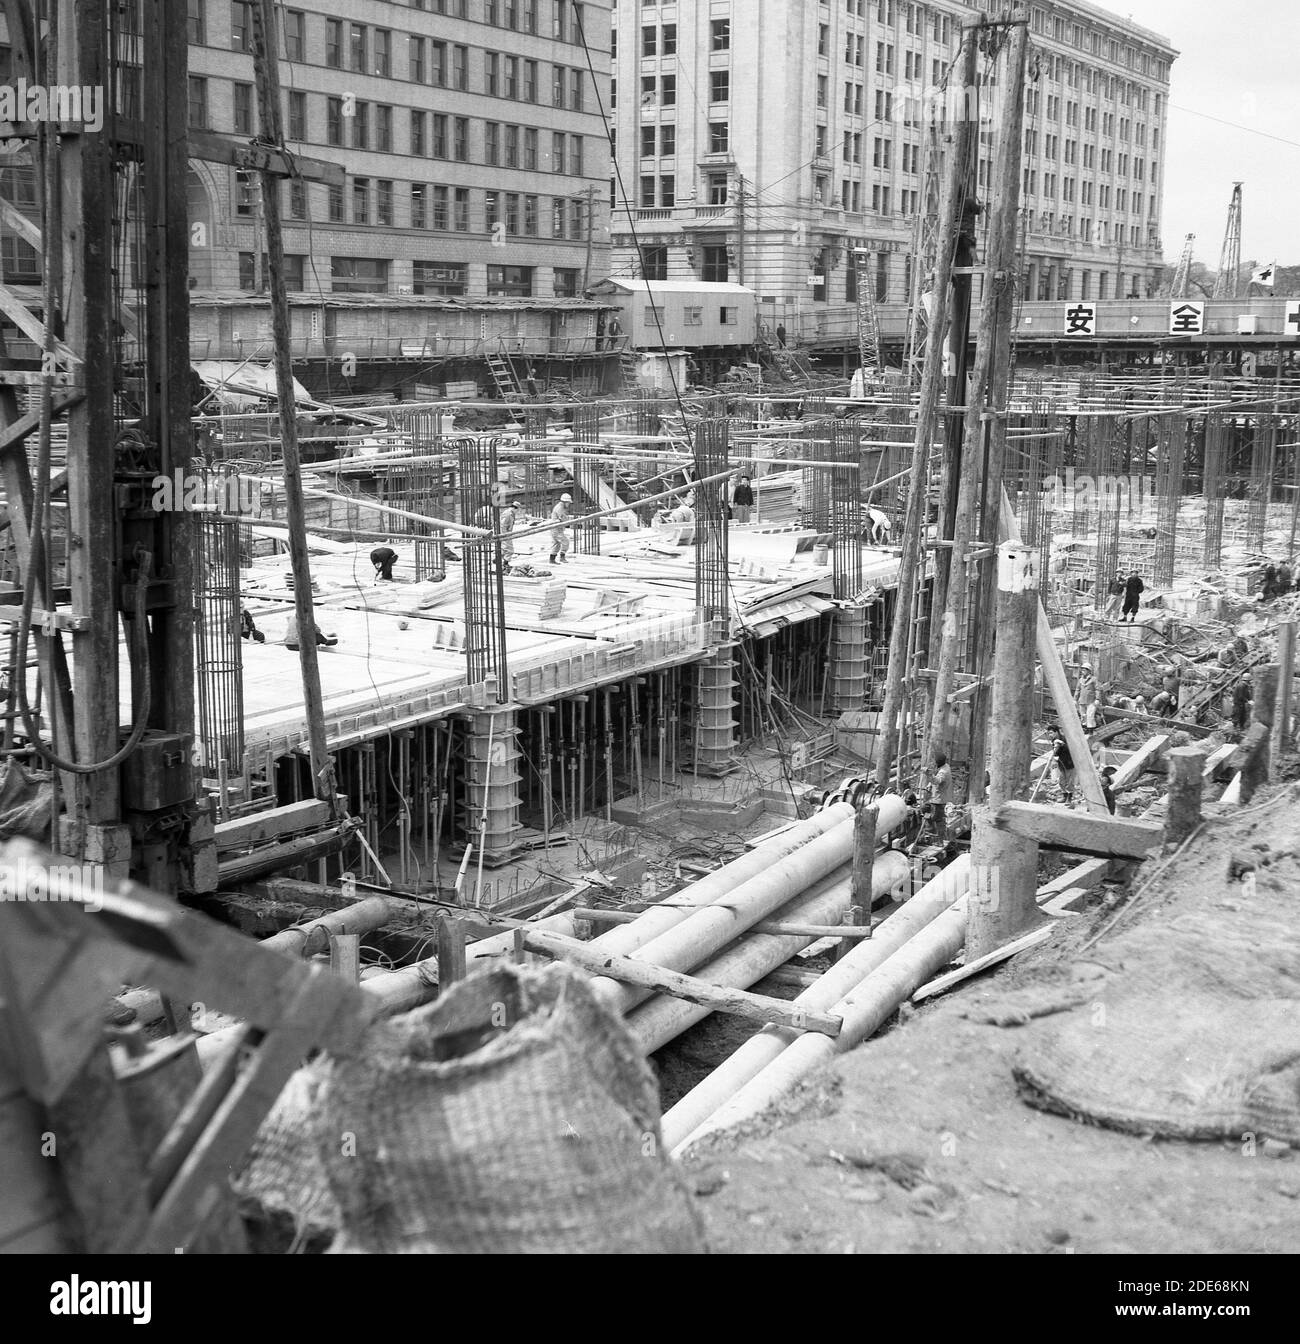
x=1264 y=276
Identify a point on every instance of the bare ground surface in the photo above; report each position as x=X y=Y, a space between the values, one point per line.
x=919 y=1140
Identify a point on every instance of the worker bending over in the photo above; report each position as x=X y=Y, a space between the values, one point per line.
x=383 y=558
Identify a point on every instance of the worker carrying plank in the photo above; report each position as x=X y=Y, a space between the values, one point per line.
x=560 y=516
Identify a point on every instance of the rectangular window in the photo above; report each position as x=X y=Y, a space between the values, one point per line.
x=295 y=35
x=492 y=74
x=575 y=90
x=509 y=281
x=492 y=142
x=243 y=192
x=669 y=45
x=575 y=155
x=460 y=206
x=441 y=217
x=558 y=83
x=649 y=41
x=241 y=26
x=460 y=144
x=719 y=86
x=654 y=261
x=243 y=109
x=460 y=67
x=418 y=63
x=334 y=43
x=198 y=113
x=384 y=203
x=529 y=90
x=668 y=140
x=720 y=34
x=438 y=64
x=558 y=140
x=716 y=268
x=383 y=53
x=419 y=133
x=693 y=317
x=511 y=72
x=195 y=24
x=512 y=214
x=357 y=46
x=358 y=275
x=491 y=209
x=297 y=200
x=512 y=147
x=575 y=219
x=532 y=211
x=384 y=128
x=335 y=210
x=647 y=142
x=668 y=91
x=720 y=138
x=559 y=216
x=530 y=148
x=440 y=279
x=716 y=186
x=419 y=206
x=297 y=115
x=565 y=282
x=647 y=193
x=438 y=145
x=361 y=126
x=668 y=192
x=728 y=317
x=361 y=200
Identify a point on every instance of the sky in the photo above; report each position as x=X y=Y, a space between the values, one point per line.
x=1238 y=63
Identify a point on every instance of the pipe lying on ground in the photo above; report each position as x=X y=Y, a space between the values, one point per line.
x=708 y=930
x=303 y=940
x=410 y=986
x=863 y=1011
x=655 y=1023
x=746 y=1063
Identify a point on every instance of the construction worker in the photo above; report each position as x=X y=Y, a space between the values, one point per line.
x=509 y=516
x=1270 y=583
x=1133 y=590
x=881 y=526
x=1243 y=696
x=291 y=638
x=1284 y=579
x=1107 y=787
x=383 y=558
x=560 y=516
x=247 y=628
x=1064 y=762
x=1085 y=696
x=941 y=795
x=742 y=499
x=1115 y=595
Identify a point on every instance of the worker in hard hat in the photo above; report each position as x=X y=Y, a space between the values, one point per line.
x=560 y=516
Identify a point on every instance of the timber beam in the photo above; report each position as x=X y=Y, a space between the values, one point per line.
x=1080 y=832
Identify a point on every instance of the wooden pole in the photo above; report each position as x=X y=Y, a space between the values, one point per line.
x=864 y=856
x=927 y=413
x=736 y=1002
x=267 y=73
x=1186 y=780
x=451 y=951
x=1004 y=866
x=1281 y=737
x=984 y=404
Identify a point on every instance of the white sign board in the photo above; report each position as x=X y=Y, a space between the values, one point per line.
x=1080 y=319
x=1186 y=318
x=1291 y=323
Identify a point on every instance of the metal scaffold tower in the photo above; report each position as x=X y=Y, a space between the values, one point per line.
x=715 y=737
x=1183 y=272
x=868 y=318
x=1227 y=282
x=481 y=498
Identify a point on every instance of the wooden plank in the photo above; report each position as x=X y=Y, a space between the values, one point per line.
x=1080 y=832
x=1143 y=759
x=1066 y=903
x=30 y=325
x=1150 y=721
x=1003 y=953
x=719 y=999
x=277 y=821
x=1217 y=758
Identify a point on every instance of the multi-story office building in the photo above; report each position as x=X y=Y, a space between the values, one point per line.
x=770 y=141
x=476 y=157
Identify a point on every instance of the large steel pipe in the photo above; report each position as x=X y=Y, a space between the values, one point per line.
x=707 y=1097
x=655 y=1023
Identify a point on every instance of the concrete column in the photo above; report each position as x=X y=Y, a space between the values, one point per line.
x=849 y=660
x=490 y=821
x=715 y=753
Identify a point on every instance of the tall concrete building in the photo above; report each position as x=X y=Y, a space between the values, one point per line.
x=470 y=132
x=769 y=141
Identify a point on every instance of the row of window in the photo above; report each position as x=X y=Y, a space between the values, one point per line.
x=440 y=208
x=358 y=124
x=353 y=42
x=661 y=141
x=661 y=40
x=440 y=279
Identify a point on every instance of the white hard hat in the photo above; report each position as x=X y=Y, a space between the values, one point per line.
x=566 y=499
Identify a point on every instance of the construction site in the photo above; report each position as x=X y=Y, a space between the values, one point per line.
x=627 y=802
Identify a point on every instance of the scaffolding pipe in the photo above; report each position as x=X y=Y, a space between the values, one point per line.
x=682 y=1121
x=655 y=1023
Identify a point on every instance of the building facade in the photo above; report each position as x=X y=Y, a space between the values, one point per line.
x=770 y=142
x=471 y=133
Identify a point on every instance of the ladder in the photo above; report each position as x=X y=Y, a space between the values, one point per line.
x=504 y=376
x=629 y=368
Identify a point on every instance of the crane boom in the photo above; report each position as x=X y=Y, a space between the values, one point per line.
x=1183 y=273
x=1227 y=282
